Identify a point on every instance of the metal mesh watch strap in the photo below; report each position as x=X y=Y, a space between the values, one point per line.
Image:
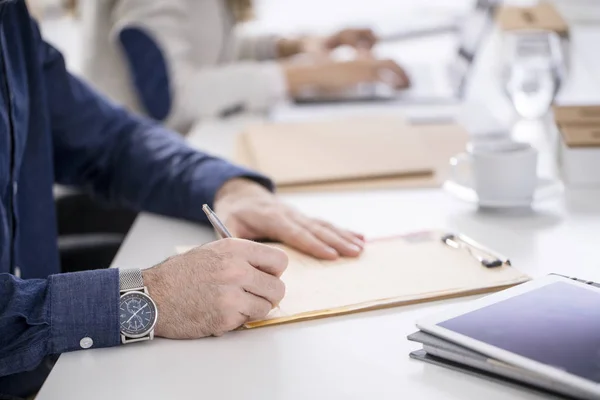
x=130 y=279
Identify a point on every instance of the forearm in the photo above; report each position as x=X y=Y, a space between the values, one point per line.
x=124 y=159
x=152 y=169
x=50 y=316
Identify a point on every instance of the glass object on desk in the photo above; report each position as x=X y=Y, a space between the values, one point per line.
x=533 y=70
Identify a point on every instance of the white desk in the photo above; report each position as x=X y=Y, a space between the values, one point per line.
x=361 y=356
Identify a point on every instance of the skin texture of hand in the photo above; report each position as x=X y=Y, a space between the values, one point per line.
x=251 y=212
x=215 y=288
x=334 y=76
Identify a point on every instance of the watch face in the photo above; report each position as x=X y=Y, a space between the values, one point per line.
x=137 y=314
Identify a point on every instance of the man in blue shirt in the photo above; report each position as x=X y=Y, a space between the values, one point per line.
x=54 y=128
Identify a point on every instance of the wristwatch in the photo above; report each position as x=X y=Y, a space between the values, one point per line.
x=137 y=311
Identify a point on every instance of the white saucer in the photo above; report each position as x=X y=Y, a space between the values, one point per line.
x=546 y=188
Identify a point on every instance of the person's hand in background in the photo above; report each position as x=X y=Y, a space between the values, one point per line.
x=360 y=39
x=357 y=38
x=215 y=288
x=251 y=212
x=334 y=76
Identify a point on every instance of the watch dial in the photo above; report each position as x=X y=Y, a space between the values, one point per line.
x=137 y=314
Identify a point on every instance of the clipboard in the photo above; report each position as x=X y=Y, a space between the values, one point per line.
x=394 y=271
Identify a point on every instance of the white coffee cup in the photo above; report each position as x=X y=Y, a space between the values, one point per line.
x=500 y=172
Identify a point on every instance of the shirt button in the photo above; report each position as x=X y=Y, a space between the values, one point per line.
x=86 y=343
x=15 y=187
x=17 y=272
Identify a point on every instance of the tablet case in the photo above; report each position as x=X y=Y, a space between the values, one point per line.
x=423 y=356
x=444 y=353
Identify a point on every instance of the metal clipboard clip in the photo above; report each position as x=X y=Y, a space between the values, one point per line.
x=482 y=254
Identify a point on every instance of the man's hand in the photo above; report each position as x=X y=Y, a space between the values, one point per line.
x=215 y=288
x=251 y=212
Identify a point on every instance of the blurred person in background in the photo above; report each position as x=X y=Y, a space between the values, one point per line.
x=180 y=60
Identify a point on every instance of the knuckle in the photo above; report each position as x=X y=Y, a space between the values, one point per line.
x=296 y=230
x=273 y=213
x=279 y=290
x=319 y=230
x=325 y=224
x=262 y=309
x=281 y=259
x=228 y=244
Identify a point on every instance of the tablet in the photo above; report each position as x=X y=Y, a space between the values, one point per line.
x=550 y=326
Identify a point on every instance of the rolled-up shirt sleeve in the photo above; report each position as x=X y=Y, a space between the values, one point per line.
x=127 y=160
x=40 y=317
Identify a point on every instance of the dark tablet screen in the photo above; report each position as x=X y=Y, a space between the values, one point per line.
x=557 y=324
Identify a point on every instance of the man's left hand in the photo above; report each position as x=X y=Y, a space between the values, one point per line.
x=252 y=212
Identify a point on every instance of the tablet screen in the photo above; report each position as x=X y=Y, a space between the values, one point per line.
x=557 y=324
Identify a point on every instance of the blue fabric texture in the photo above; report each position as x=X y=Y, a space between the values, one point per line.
x=148 y=68
x=54 y=128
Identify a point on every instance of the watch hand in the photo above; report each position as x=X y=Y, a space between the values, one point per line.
x=135 y=313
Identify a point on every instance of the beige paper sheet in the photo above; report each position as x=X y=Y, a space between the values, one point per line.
x=336 y=150
x=442 y=141
x=542 y=16
x=391 y=271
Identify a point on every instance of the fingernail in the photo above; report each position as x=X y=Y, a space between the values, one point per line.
x=354 y=248
x=332 y=251
x=360 y=243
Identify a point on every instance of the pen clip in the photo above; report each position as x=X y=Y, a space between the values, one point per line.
x=458 y=242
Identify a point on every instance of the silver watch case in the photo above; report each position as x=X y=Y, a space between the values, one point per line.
x=148 y=334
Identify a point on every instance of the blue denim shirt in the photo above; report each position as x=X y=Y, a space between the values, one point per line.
x=54 y=128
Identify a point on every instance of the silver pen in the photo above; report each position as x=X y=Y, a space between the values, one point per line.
x=216 y=222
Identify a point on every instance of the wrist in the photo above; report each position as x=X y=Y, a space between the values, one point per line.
x=239 y=187
x=155 y=291
x=138 y=313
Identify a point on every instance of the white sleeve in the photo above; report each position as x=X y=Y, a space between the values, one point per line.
x=255 y=47
x=198 y=91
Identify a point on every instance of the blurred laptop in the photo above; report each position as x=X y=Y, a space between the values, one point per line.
x=430 y=82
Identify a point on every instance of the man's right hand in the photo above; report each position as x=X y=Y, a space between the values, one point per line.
x=215 y=288
x=334 y=76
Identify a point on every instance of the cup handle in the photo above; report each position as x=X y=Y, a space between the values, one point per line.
x=460 y=171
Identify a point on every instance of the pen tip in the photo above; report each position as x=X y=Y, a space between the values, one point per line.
x=206 y=208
